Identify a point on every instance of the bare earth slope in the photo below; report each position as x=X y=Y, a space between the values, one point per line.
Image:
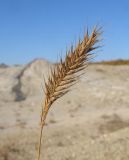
x=89 y=123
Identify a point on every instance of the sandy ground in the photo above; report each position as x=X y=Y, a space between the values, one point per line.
x=91 y=122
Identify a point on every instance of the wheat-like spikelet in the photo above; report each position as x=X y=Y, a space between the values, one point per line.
x=64 y=74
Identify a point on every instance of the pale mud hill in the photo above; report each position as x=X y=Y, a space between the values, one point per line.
x=19 y=82
x=30 y=79
x=91 y=122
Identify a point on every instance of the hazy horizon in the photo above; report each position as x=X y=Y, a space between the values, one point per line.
x=56 y=61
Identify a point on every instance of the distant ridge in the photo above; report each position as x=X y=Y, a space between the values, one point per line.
x=3 y=65
x=114 y=62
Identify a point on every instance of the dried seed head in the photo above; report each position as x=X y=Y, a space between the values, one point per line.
x=63 y=76
x=76 y=60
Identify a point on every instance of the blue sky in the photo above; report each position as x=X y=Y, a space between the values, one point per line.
x=32 y=29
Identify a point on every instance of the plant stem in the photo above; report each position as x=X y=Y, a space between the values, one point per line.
x=40 y=140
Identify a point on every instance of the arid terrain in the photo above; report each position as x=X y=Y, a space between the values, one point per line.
x=91 y=122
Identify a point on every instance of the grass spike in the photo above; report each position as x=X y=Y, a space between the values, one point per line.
x=64 y=75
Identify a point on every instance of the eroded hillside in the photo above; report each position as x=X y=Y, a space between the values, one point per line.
x=91 y=122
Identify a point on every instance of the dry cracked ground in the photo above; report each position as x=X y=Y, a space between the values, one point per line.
x=91 y=122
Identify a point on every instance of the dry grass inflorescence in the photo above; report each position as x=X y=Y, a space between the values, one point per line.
x=66 y=73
